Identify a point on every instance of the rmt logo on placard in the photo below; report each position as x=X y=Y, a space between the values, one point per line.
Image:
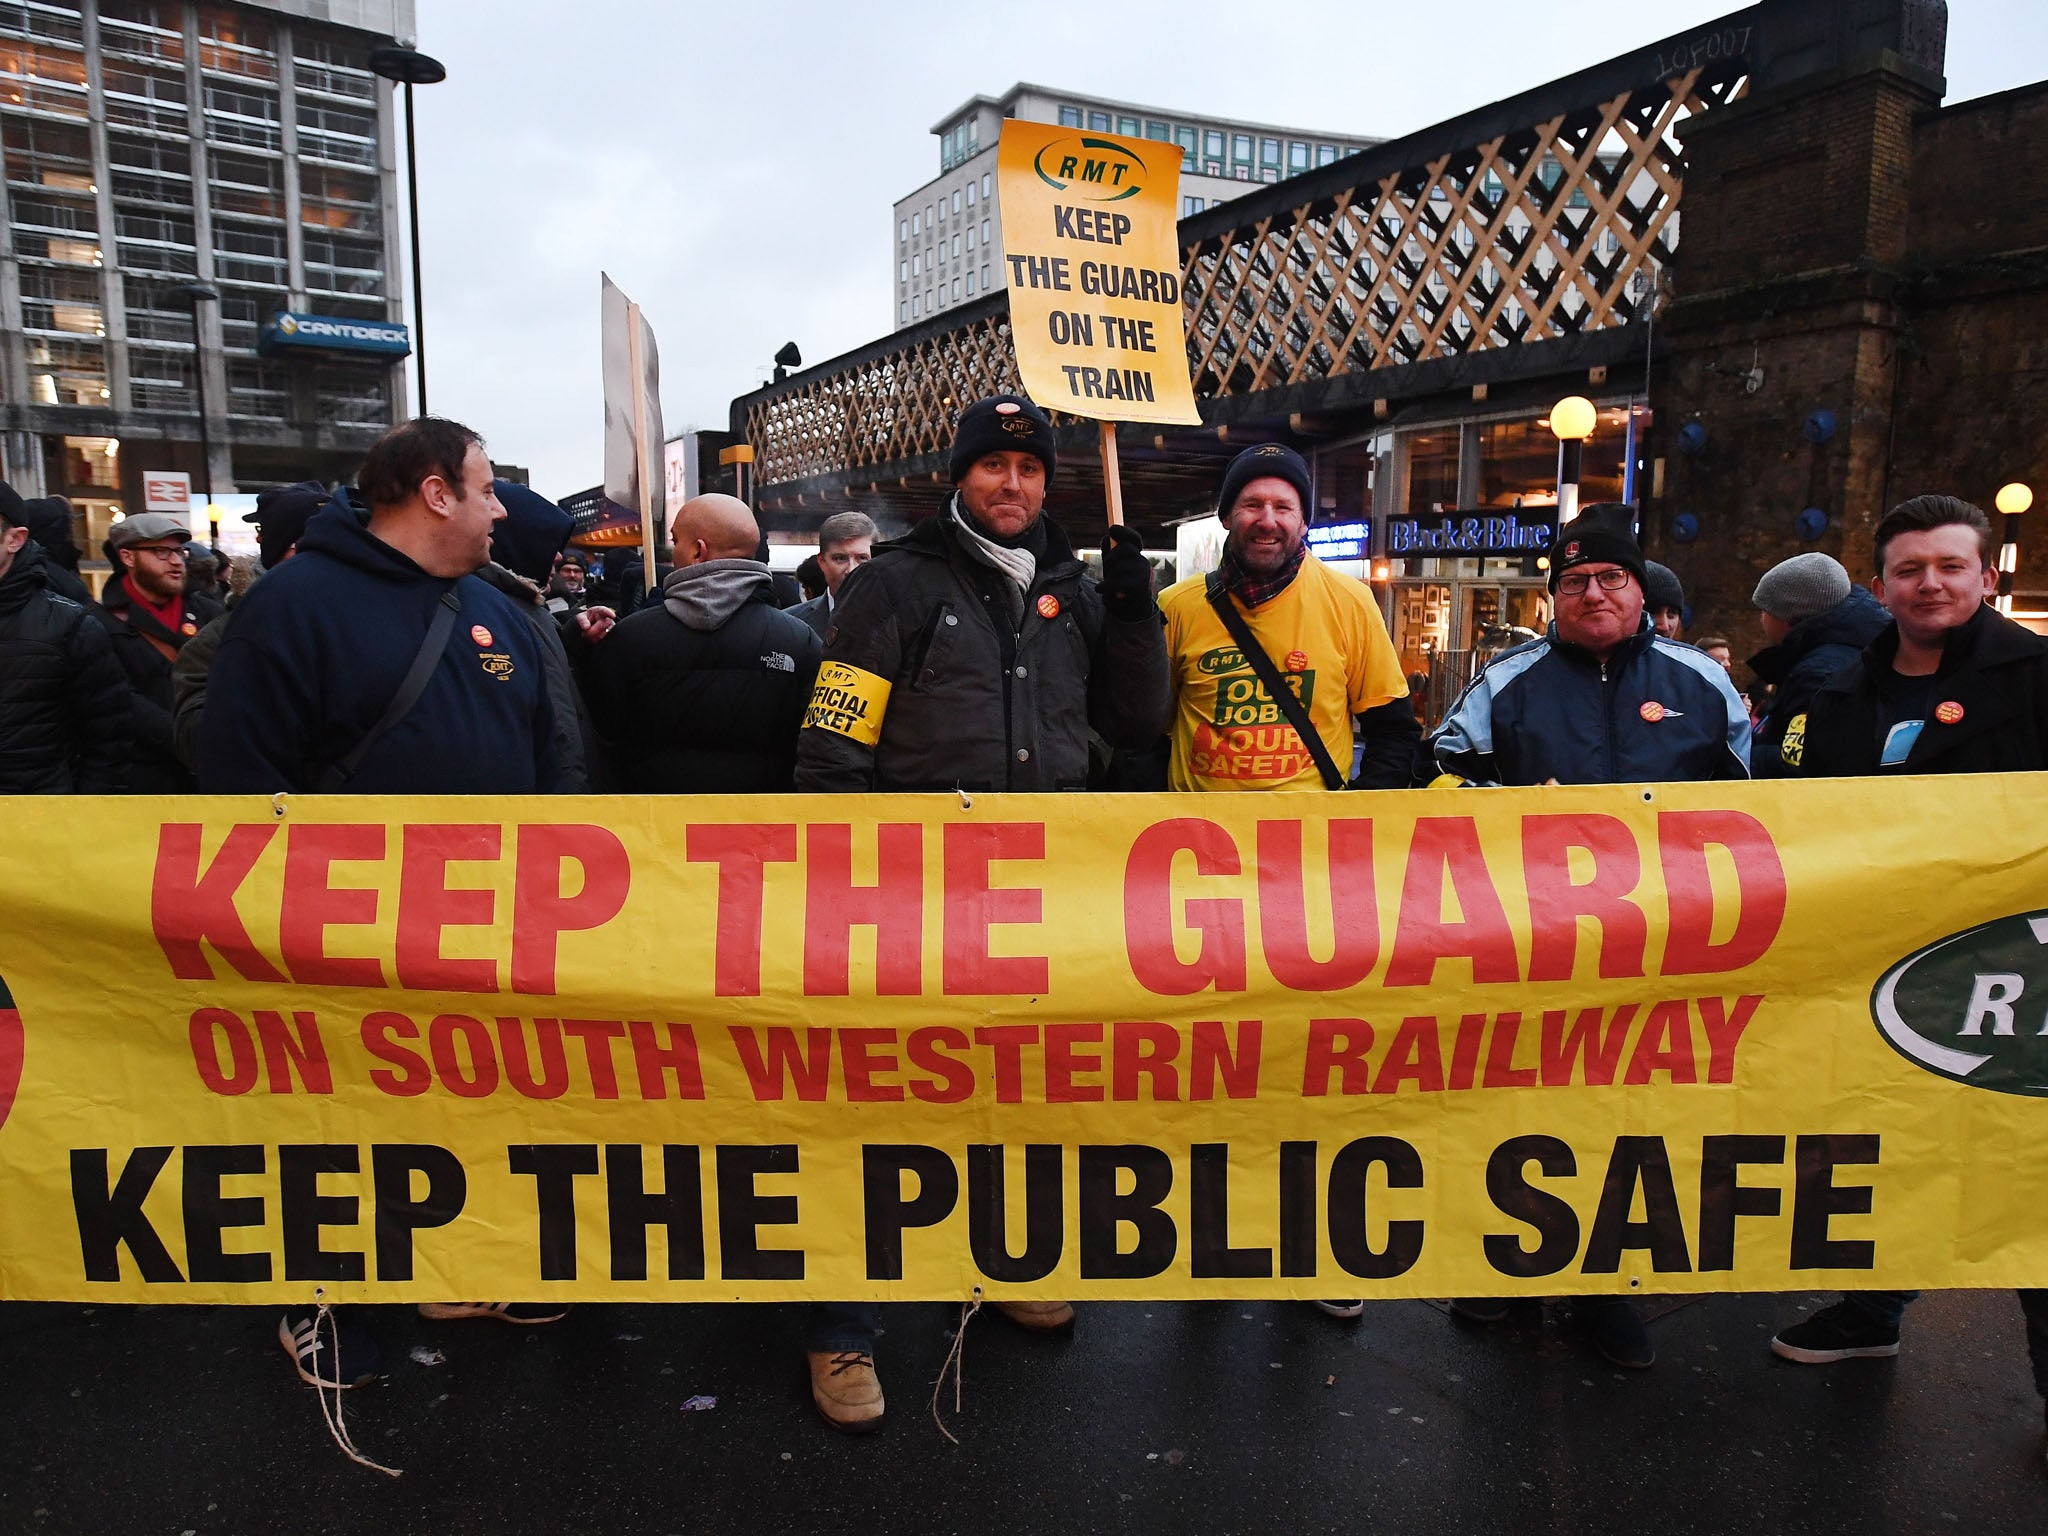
x=1099 y=170
x=1973 y=1007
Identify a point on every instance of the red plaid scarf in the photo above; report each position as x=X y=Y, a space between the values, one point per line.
x=1251 y=589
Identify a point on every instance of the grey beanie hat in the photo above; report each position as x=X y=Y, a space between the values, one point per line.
x=1799 y=588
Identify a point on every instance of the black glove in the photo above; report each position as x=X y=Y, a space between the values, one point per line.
x=1126 y=575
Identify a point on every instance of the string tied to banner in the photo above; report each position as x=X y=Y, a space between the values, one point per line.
x=323 y=1317
x=956 y=1358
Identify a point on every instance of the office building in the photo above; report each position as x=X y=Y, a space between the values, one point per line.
x=949 y=235
x=150 y=144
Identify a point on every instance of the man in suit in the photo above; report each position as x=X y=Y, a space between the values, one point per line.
x=845 y=540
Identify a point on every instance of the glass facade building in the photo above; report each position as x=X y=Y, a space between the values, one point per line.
x=147 y=144
x=949 y=232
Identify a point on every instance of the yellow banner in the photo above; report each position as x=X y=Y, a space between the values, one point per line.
x=1447 y=1042
x=1091 y=255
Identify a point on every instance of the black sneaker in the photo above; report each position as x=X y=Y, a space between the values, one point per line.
x=336 y=1353
x=1836 y=1333
x=1616 y=1330
x=1480 y=1309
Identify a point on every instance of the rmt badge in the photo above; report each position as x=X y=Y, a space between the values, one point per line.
x=1973 y=1007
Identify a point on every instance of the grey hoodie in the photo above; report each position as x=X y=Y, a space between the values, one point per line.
x=703 y=596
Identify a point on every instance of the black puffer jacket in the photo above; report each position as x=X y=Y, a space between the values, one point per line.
x=1994 y=671
x=63 y=701
x=703 y=699
x=145 y=650
x=1815 y=650
x=973 y=703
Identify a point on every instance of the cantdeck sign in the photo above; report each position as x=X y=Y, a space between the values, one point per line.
x=1092 y=259
x=1477 y=1042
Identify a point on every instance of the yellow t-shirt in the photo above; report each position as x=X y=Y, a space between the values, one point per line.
x=1324 y=633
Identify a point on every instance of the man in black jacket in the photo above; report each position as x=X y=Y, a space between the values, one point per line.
x=1817 y=621
x=974 y=653
x=150 y=616
x=1949 y=686
x=704 y=692
x=63 y=699
x=49 y=524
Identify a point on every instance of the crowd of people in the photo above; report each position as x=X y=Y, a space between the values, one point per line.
x=422 y=632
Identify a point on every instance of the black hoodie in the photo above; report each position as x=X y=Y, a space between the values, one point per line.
x=317 y=651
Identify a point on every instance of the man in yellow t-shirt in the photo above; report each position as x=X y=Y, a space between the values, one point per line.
x=1323 y=632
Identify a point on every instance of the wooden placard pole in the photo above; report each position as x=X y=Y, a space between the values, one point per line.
x=640 y=477
x=1112 y=477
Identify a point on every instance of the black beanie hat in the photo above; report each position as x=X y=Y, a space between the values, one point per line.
x=1275 y=459
x=1602 y=534
x=1002 y=424
x=1661 y=587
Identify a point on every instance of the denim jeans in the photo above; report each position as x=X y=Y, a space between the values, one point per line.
x=833 y=1327
x=1880 y=1309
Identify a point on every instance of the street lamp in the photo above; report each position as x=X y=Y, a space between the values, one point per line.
x=1571 y=421
x=2013 y=499
x=409 y=67
x=196 y=294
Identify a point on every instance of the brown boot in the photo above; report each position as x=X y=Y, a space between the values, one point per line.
x=846 y=1389
x=1038 y=1316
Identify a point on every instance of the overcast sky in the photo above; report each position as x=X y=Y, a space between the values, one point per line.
x=734 y=166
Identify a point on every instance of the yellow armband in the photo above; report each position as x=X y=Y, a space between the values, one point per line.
x=849 y=702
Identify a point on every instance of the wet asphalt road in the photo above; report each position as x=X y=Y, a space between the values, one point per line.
x=1154 y=1417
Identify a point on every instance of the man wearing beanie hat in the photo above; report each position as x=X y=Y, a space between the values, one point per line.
x=1321 y=632
x=973 y=653
x=1817 y=621
x=1601 y=699
x=1664 y=600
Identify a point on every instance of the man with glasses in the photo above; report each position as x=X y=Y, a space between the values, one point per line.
x=150 y=616
x=1601 y=699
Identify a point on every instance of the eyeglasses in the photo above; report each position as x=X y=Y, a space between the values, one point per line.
x=161 y=551
x=1575 y=584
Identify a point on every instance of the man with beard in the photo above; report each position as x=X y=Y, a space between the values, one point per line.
x=974 y=654
x=1320 y=633
x=150 y=616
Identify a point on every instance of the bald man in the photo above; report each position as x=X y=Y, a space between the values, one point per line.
x=703 y=692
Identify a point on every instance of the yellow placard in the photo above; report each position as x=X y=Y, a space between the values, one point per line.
x=849 y=701
x=1437 y=1043
x=1092 y=261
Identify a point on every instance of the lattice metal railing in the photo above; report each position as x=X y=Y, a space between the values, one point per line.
x=1555 y=230
x=1542 y=232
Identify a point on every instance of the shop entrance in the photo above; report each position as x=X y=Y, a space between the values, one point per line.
x=1446 y=631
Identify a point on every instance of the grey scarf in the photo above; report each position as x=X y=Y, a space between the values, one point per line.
x=1020 y=565
x=703 y=596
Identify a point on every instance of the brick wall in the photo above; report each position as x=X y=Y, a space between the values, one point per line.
x=1875 y=257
